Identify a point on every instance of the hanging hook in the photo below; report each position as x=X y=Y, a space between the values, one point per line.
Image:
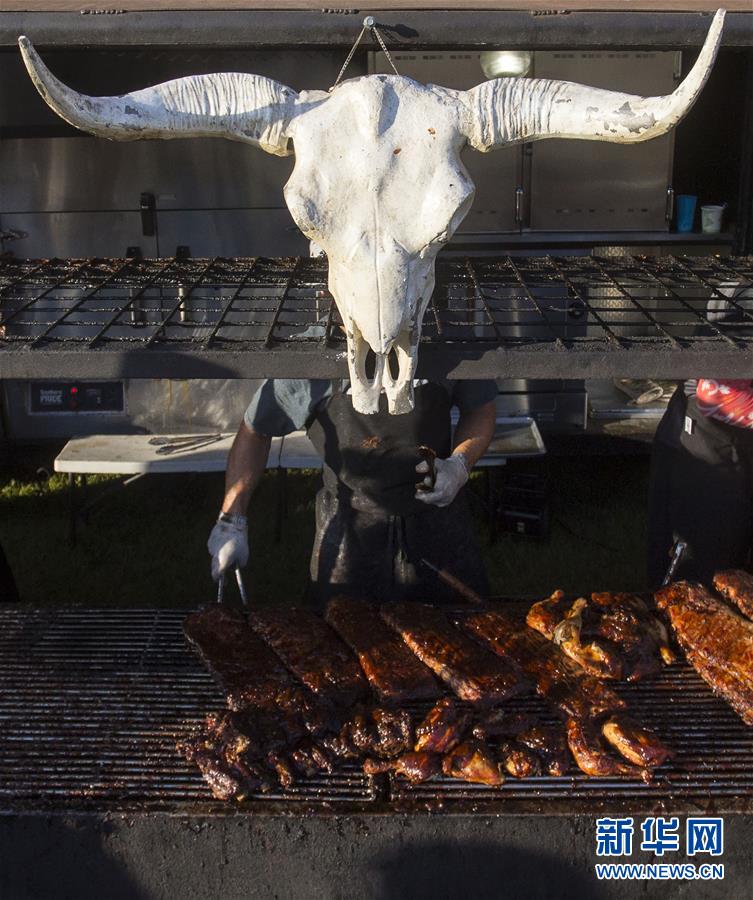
x=369 y=24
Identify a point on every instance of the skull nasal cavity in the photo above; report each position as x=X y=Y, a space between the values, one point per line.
x=394 y=363
x=370 y=364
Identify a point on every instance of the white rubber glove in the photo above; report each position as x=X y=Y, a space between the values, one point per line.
x=451 y=474
x=228 y=544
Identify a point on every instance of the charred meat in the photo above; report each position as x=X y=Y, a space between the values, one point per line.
x=394 y=673
x=471 y=672
x=592 y=754
x=247 y=670
x=637 y=744
x=736 y=586
x=443 y=728
x=519 y=760
x=717 y=641
x=474 y=762
x=413 y=765
x=313 y=652
x=550 y=744
x=555 y=677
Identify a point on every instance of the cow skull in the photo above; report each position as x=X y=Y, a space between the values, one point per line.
x=378 y=181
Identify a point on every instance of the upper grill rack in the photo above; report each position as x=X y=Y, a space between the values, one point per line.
x=92 y=703
x=190 y=318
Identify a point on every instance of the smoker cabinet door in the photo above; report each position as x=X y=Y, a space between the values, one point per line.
x=588 y=185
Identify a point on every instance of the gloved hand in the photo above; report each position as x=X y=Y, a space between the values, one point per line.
x=228 y=544
x=451 y=474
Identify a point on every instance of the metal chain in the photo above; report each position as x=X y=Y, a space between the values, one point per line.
x=368 y=23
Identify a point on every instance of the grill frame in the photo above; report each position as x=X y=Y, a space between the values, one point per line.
x=130 y=657
x=536 y=317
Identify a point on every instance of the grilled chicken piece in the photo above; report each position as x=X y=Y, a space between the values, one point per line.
x=717 y=641
x=381 y=732
x=546 y=615
x=591 y=753
x=474 y=762
x=736 y=586
x=471 y=672
x=550 y=744
x=556 y=677
x=637 y=744
x=414 y=766
x=443 y=728
x=599 y=658
x=394 y=673
x=224 y=782
x=500 y=723
x=518 y=760
x=626 y=620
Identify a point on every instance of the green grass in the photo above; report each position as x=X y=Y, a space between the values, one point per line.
x=145 y=545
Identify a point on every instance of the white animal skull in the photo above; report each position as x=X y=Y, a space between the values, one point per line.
x=378 y=181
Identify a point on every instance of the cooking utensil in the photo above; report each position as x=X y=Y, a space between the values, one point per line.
x=168 y=445
x=241 y=588
x=455 y=583
x=677 y=552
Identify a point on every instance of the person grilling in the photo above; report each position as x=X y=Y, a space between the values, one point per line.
x=381 y=509
x=701 y=487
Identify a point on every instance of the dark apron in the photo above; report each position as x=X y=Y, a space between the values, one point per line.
x=701 y=492
x=371 y=532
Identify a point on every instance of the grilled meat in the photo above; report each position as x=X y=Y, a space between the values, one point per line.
x=443 y=728
x=555 y=677
x=627 y=621
x=518 y=760
x=599 y=658
x=498 y=723
x=413 y=765
x=736 y=586
x=394 y=673
x=637 y=744
x=472 y=673
x=473 y=761
x=592 y=755
x=717 y=641
x=379 y=732
x=247 y=670
x=546 y=615
x=551 y=746
x=313 y=652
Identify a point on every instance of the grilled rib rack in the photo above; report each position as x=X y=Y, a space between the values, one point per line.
x=91 y=705
x=534 y=317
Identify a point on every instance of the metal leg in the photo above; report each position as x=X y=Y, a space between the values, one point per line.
x=72 y=510
x=281 y=510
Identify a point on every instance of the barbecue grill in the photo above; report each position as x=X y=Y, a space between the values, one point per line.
x=94 y=701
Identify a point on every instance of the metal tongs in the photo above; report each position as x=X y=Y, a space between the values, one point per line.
x=241 y=588
x=677 y=552
x=168 y=445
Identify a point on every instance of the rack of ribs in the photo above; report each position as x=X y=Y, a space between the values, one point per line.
x=554 y=676
x=247 y=670
x=736 y=586
x=394 y=673
x=471 y=672
x=717 y=641
x=313 y=652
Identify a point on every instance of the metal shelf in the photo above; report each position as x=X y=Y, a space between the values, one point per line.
x=524 y=317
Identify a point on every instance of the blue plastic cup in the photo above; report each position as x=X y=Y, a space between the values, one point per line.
x=685 y=205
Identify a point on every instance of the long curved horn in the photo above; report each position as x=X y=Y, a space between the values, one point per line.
x=233 y=105
x=514 y=110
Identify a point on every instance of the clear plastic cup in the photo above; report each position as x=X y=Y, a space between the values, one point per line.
x=711 y=218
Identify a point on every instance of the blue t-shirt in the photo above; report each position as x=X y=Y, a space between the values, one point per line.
x=284 y=405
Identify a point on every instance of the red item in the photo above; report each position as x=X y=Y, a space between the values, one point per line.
x=728 y=401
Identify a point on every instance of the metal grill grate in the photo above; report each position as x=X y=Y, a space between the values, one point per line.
x=184 y=318
x=93 y=701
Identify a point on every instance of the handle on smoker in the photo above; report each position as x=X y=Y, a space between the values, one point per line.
x=677 y=552
x=241 y=588
x=148 y=219
x=519 y=192
x=669 y=210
